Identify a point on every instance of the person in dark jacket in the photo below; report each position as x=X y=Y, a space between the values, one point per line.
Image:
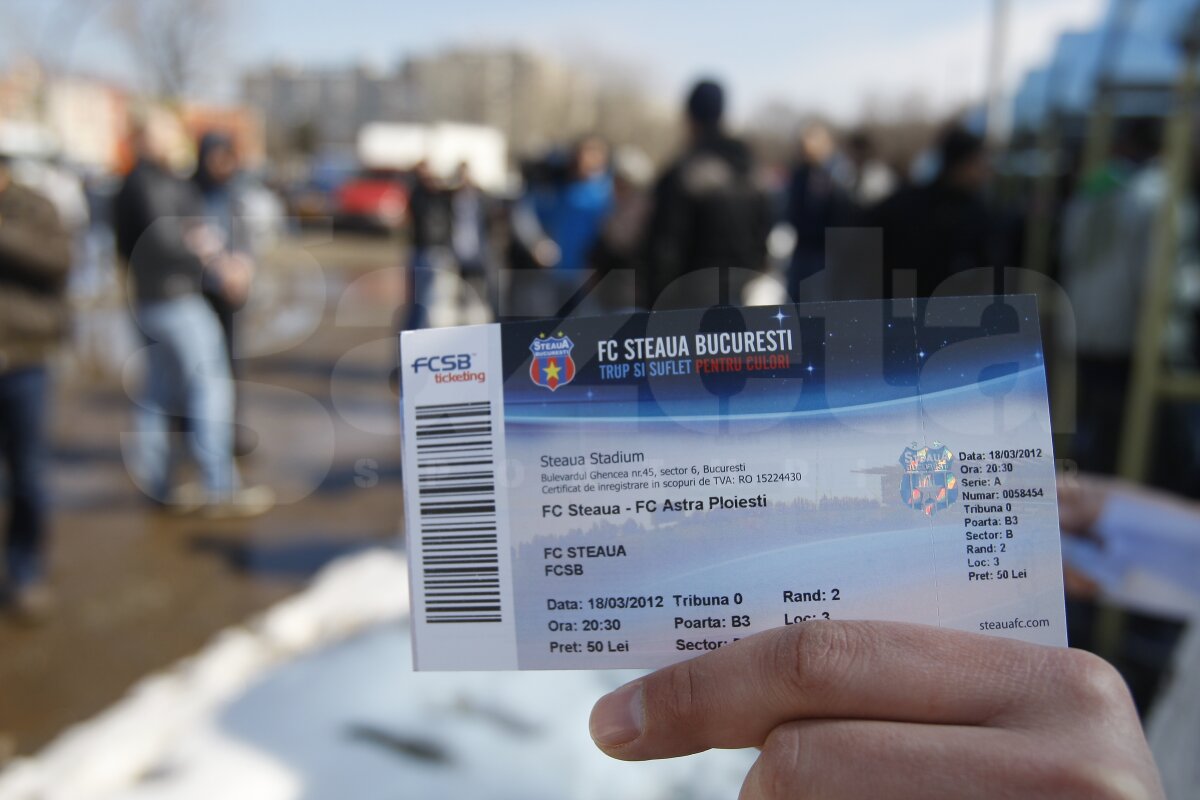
x=816 y=202
x=945 y=228
x=172 y=252
x=618 y=249
x=708 y=230
x=35 y=256
x=431 y=216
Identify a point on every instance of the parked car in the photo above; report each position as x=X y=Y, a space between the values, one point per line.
x=376 y=199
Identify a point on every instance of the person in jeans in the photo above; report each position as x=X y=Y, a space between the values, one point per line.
x=471 y=212
x=221 y=191
x=431 y=215
x=172 y=254
x=35 y=256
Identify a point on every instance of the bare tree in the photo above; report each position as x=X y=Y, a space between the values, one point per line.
x=172 y=41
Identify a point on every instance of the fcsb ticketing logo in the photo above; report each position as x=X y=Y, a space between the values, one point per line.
x=455 y=368
x=552 y=365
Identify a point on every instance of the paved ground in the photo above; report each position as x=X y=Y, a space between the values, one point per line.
x=139 y=590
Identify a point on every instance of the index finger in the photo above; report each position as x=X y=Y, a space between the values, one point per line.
x=734 y=696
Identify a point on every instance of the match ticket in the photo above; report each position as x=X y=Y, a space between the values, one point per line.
x=636 y=489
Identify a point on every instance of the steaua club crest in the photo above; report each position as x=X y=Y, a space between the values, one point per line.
x=552 y=364
x=929 y=483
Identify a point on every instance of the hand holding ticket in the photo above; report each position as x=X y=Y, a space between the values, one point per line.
x=867 y=709
x=633 y=490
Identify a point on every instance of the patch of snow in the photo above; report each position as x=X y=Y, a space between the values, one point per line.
x=317 y=699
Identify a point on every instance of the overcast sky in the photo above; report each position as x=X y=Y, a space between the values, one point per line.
x=819 y=55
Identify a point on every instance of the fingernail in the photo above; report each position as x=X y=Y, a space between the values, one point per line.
x=617 y=717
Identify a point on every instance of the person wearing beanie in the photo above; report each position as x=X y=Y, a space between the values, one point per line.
x=709 y=224
x=706 y=104
x=226 y=287
x=945 y=233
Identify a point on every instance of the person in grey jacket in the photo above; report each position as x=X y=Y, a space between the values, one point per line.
x=35 y=256
x=217 y=182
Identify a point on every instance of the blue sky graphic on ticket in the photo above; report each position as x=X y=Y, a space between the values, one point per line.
x=636 y=489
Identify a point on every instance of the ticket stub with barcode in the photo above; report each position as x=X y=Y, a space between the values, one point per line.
x=636 y=489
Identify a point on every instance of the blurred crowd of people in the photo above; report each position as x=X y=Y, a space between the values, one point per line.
x=594 y=230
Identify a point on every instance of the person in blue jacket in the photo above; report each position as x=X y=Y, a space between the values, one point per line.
x=558 y=222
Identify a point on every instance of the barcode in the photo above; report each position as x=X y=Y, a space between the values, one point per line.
x=456 y=497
